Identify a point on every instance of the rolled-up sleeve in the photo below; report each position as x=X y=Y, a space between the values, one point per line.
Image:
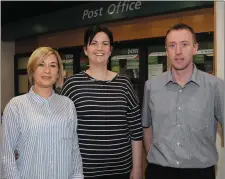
x=146 y=113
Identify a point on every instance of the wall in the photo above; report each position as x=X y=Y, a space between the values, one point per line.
x=219 y=46
x=7 y=72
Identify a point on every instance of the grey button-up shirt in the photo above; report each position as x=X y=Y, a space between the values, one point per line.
x=184 y=120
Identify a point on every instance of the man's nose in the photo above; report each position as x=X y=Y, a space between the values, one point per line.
x=178 y=49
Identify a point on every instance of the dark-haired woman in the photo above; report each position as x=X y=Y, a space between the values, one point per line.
x=109 y=120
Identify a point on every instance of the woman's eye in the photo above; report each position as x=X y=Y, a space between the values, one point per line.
x=41 y=65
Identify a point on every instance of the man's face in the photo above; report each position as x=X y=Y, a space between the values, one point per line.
x=180 y=49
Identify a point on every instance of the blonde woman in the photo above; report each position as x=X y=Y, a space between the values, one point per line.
x=41 y=126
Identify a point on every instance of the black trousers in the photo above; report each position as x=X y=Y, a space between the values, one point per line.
x=121 y=176
x=159 y=172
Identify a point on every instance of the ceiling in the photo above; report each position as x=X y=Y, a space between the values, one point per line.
x=12 y=11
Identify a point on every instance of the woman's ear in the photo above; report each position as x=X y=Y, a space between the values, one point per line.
x=111 y=48
x=85 y=50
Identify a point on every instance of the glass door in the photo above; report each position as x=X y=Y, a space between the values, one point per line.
x=157 y=63
x=126 y=61
x=204 y=59
x=157 y=59
x=22 y=84
x=70 y=61
x=84 y=63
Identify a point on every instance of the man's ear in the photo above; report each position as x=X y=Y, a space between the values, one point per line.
x=166 y=51
x=195 y=49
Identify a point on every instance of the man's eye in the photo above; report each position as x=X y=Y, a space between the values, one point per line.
x=184 y=44
x=93 y=43
x=53 y=66
x=41 y=65
x=172 y=45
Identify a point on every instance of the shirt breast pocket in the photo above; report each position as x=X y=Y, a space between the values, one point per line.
x=160 y=103
x=199 y=113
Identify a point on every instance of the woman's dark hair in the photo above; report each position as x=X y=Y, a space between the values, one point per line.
x=92 y=31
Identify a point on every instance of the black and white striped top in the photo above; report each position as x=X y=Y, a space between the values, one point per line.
x=108 y=119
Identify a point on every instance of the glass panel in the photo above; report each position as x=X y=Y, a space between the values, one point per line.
x=83 y=62
x=67 y=60
x=22 y=62
x=156 y=64
x=204 y=60
x=126 y=61
x=23 y=84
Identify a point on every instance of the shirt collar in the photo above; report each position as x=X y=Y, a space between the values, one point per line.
x=194 y=77
x=41 y=100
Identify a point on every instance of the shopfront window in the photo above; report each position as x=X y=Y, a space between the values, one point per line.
x=126 y=61
x=22 y=62
x=22 y=84
x=84 y=62
x=67 y=61
x=157 y=63
x=204 y=60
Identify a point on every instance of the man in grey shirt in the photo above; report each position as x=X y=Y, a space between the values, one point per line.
x=181 y=110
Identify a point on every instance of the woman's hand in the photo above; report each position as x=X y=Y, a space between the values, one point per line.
x=136 y=173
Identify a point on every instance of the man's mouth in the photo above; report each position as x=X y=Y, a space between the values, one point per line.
x=179 y=58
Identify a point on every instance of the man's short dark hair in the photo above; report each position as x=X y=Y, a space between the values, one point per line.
x=182 y=27
x=92 y=31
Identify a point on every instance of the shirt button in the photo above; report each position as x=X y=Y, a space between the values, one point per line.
x=178 y=143
x=179 y=108
x=178 y=163
x=178 y=125
x=180 y=91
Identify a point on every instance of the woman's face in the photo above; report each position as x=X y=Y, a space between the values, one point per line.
x=99 y=50
x=46 y=73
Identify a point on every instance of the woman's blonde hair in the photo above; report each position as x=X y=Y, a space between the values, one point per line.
x=37 y=57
